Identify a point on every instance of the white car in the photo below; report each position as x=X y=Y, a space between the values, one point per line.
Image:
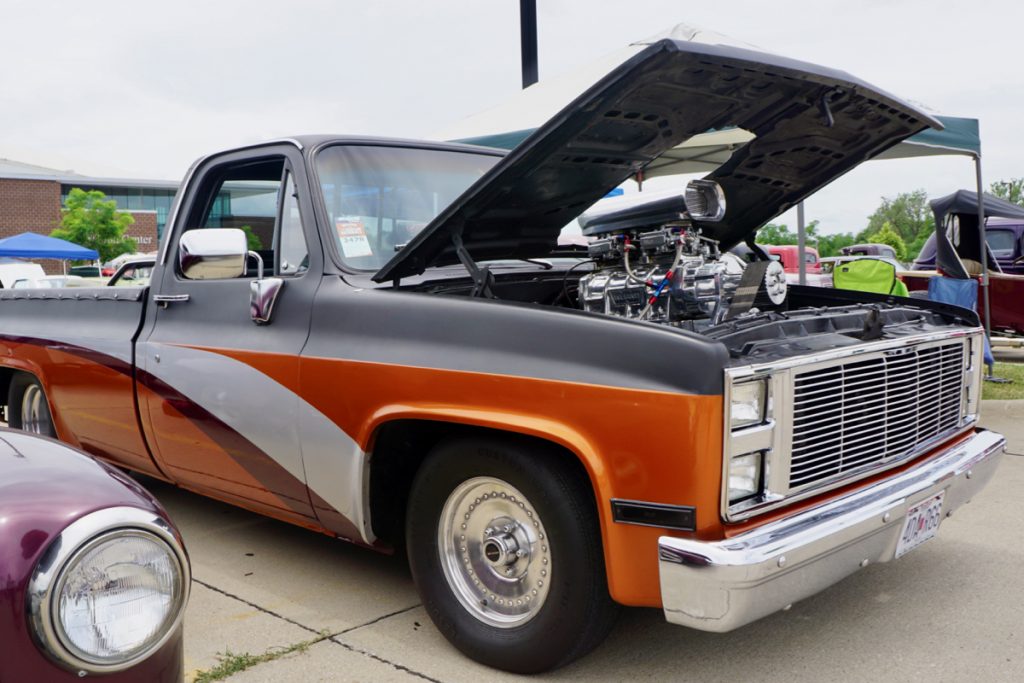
x=52 y=282
x=13 y=270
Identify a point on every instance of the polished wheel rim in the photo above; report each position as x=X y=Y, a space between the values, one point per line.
x=33 y=410
x=494 y=552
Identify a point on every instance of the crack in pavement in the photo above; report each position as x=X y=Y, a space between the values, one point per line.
x=254 y=605
x=333 y=637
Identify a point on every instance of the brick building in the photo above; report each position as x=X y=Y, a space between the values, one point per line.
x=31 y=198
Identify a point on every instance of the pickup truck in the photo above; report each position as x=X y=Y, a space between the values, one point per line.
x=407 y=358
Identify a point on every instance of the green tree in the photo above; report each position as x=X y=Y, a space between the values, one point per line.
x=827 y=245
x=908 y=215
x=252 y=240
x=831 y=245
x=1011 y=190
x=886 y=235
x=91 y=220
x=773 y=233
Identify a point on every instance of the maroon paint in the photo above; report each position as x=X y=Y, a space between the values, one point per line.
x=44 y=487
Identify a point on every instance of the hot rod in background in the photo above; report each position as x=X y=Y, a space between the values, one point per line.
x=954 y=251
x=412 y=360
x=93 y=575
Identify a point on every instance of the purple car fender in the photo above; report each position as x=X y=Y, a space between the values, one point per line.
x=55 y=501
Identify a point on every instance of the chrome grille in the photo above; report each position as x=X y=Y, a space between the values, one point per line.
x=853 y=415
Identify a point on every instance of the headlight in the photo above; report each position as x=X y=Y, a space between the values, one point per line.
x=109 y=591
x=748 y=404
x=745 y=476
x=751 y=440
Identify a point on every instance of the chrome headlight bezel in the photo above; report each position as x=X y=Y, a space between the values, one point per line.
x=51 y=570
x=751 y=436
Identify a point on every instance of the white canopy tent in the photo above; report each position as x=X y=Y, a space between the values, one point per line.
x=508 y=124
x=511 y=122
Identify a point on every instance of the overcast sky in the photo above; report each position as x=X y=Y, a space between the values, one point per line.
x=140 y=89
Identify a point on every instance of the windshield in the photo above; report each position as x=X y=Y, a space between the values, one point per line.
x=378 y=198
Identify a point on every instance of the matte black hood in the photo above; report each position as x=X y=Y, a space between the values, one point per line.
x=812 y=124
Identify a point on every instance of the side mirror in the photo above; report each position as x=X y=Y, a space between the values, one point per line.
x=212 y=253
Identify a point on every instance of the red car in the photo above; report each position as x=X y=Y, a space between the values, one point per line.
x=93 y=576
x=789 y=256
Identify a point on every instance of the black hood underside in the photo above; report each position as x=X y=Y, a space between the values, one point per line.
x=811 y=125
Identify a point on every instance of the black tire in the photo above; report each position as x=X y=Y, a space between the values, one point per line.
x=24 y=387
x=575 y=614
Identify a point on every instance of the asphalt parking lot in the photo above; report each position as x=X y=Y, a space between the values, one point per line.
x=952 y=610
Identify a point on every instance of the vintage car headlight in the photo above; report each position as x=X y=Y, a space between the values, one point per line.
x=109 y=591
x=748 y=404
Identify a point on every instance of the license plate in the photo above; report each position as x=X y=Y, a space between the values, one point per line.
x=922 y=523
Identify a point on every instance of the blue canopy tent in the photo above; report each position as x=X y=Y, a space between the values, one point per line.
x=34 y=245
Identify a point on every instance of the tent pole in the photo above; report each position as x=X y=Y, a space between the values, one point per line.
x=984 y=249
x=528 y=40
x=801 y=242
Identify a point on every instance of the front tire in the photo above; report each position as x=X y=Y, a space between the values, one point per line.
x=505 y=548
x=27 y=407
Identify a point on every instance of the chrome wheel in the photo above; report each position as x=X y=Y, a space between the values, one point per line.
x=494 y=552
x=35 y=415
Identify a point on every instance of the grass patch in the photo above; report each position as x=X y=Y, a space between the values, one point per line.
x=1015 y=389
x=230 y=663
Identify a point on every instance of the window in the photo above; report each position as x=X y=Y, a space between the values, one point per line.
x=1001 y=242
x=293 y=255
x=259 y=198
x=379 y=198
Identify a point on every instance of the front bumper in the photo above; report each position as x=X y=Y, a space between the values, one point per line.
x=720 y=586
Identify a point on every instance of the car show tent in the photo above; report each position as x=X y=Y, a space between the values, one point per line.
x=34 y=245
x=508 y=124
x=511 y=122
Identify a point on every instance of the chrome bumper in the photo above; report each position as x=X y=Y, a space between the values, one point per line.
x=720 y=586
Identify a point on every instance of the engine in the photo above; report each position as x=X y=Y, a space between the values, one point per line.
x=654 y=263
x=666 y=275
x=671 y=275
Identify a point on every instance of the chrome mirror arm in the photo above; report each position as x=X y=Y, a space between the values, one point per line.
x=263 y=293
x=259 y=264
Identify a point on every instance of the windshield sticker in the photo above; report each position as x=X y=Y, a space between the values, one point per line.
x=352 y=236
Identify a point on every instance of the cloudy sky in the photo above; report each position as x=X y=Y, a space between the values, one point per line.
x=140 y=89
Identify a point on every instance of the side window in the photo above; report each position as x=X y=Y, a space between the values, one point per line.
x=1001 y=242
x=257 y=197
x=292 y=253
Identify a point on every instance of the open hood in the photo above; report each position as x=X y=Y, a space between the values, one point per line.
x=810 y=125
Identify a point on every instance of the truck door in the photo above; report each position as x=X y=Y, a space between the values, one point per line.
x=218 y=393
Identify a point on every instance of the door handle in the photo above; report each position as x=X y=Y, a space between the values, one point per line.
x=163 y=299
